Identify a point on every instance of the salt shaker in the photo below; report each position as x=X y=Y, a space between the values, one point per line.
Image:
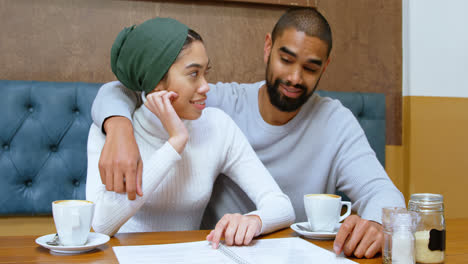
x=399 y=242
x=403 y=238
x=430 y=232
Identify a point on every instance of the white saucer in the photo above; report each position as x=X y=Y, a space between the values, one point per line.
x=315 y=235
x=94 y=240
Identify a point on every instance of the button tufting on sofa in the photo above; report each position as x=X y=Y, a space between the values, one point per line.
x=28 y=183
x=76 y=182
x=53 y=148
x=45 y=131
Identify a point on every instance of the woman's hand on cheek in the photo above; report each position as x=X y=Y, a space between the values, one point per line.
x=237 y=230
x=160 y=103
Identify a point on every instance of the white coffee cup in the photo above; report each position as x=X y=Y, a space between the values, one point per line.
x=73 y=220
x=324 y=211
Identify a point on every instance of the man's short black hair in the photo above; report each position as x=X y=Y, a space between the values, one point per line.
x=307 y=20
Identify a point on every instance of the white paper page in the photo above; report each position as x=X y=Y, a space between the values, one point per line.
x=287 y=250
x=192 y=252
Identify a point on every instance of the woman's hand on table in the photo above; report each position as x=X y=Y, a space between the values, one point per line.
x=237 y=230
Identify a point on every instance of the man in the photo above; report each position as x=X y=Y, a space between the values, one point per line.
x=308 y=143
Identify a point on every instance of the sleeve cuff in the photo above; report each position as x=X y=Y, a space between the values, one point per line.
x=262 y=219
x=109 y=116
x=170 y=154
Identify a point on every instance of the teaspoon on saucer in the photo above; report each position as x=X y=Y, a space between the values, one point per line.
x=54 y=242
x=303 y=228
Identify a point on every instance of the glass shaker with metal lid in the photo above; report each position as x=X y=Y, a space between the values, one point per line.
x=430 y=232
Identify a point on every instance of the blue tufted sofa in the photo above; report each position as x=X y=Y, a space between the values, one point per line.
x=44 y=130
x=43 y=136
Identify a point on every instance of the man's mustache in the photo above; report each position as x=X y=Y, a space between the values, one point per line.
x=288 y=83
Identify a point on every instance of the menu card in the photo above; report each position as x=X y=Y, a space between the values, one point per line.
x=268 y=251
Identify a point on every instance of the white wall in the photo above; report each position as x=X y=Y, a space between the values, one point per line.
x=435 y=48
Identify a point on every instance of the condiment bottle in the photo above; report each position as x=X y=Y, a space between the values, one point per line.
x=430 y=232
x=399 y=226
x=388 y=217
x=403 y=238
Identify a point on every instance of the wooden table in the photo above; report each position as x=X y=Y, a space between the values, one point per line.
x=23 y=249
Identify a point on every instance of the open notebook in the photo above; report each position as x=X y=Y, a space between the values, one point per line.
x=268 y=251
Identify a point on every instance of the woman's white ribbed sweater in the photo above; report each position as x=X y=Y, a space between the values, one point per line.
x=177 y=188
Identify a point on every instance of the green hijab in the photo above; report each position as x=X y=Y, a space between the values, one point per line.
x=141 y=55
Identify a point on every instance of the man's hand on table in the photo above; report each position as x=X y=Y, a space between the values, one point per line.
x=120 y=164
x=360 y=237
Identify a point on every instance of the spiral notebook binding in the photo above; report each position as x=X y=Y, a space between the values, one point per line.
x=230 y=254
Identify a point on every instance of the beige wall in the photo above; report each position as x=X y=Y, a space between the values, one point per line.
x=438 y=149
x=394 y=166
x=434 y=155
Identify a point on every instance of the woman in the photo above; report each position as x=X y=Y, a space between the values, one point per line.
x=183 y=150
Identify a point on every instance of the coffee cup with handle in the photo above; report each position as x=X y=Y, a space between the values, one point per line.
x=73 y=220
x=324 y=211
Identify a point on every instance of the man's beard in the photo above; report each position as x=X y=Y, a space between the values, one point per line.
x=284 y=103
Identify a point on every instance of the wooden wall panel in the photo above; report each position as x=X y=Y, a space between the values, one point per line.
x=278 y=2
x=367 y=53
x=70 y=40
x=62 y=40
